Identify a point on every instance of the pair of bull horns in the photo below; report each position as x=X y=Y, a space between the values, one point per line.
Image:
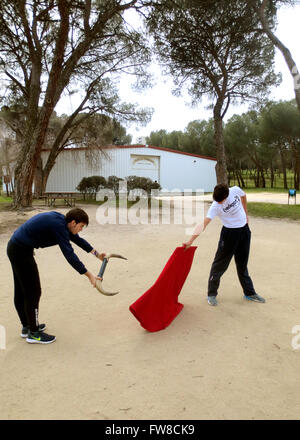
x=101 y=273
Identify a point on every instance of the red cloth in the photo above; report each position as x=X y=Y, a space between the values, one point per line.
x=157 y=307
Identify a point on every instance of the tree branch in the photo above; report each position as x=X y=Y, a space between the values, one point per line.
x=17 y=83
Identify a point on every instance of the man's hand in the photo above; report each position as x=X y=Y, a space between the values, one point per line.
x=97 y=255
x=199 y=228
x=187 y=244
x=92 y=278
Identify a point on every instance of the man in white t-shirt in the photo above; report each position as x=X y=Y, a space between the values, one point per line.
x=230 y=204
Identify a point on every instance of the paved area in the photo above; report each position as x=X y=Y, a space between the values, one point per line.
x=265 y=197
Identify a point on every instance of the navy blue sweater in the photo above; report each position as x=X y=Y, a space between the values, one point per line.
x=48 y=229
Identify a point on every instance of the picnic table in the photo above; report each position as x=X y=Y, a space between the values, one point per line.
x=69 y=198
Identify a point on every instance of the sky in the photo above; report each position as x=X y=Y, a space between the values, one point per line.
x=174 y=113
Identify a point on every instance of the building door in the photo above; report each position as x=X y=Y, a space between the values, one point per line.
x=145 y=166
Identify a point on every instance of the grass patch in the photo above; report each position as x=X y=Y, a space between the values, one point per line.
x=274 y=210
x=5 y=203
x=264 y=190
x=4 y=199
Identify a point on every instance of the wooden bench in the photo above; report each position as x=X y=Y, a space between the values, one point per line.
x=69 y=198
x=42 y=197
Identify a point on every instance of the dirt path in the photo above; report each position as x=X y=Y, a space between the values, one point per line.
x=234 y=361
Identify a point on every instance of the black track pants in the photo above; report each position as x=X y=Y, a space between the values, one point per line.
x=233 y=242
x=27 y=284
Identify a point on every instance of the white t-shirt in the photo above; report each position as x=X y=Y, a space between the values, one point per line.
x=231 y=211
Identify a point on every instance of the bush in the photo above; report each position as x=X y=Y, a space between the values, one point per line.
x=113 y=183
x=136 y=182
x=91 y=185
x=97 y=182
x=83 y=186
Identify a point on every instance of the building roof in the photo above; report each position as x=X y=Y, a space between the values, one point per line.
x=170 y=150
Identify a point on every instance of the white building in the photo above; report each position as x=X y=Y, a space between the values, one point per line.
x=172 y=169
x=8 y=154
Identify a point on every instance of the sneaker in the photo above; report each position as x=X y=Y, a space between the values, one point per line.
x=255 y=297
x=212 y=301
x=39 y=338
x=25 y=330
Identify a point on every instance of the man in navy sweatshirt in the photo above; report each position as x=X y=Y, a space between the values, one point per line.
x=40 y=231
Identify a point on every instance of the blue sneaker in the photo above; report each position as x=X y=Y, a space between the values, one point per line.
x=212 y=301
x=255 y=297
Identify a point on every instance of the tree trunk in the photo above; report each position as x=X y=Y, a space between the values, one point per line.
x=229 y=178
x=23 y=184
x=236 y=178
x=221 y=168
x=38 y=179
x=283 y=49
x=259 y=171
x=272 y=175
x=27 y=163
x=38 y=120
x=296 y=155
x=257 y=178
x=263 y=180
x=241 y=180
x=296 y=180
x=283 y=166
x=27 y=159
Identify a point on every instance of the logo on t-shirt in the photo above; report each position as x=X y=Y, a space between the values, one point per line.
x=235 y=203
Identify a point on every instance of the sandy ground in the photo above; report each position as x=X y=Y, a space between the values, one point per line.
x=234 y=361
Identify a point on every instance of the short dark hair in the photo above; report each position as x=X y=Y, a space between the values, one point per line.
x=221 y=192
x=77 y=214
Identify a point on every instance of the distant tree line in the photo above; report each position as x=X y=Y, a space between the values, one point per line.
x=261 y=142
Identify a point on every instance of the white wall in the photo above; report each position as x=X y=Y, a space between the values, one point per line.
x=187 y=172
x=173 y=170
